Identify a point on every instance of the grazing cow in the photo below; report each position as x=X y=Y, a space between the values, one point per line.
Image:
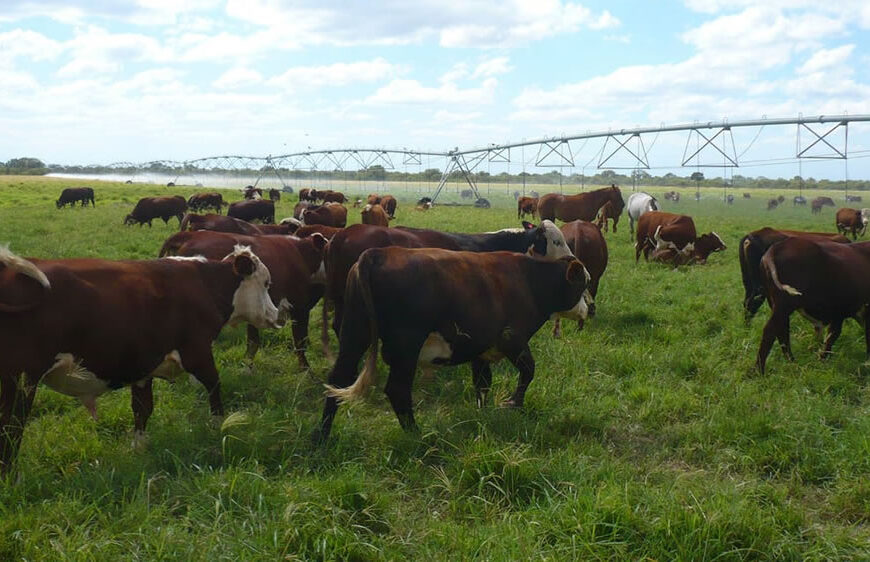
x=296 y=267
x=424 y=204
x=72 y=194
x=607 y=212
x=826 y=281
x=250 y=192
x=729 y=199
x=583 y=206
x=674 y=239
x=482 y=203
x=527 y=206
x=170 y=184
x=199 y=202
x=306 y=194
x=440 y=307
x=780 y=199
x=150 y=208
x=820 y=202
x=671 y=196
x=638 y=204
x=747 y=196
x=586 y=242
x=772 y=204
x=799 y=200
x=752 y=248
x=853 y=198
x=851 y=220
x=85 y=326
x=274 y=195
x=329 y=196
x=330 y=214
x=375 y=214
x=218 y=223
x=250 y=210
x=466 y=194
x=389 y=203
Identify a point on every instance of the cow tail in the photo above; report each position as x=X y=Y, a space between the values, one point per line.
x=362 y=274
x=26 y=268
x=184 y=222
x=768 y=263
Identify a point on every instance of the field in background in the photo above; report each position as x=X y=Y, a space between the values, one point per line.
x=645 y=436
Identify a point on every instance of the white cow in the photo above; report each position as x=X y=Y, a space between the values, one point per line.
x=638 y=204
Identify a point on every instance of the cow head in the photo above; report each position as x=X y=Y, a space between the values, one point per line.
x=706 y=244
x=129 y=219
x=548 y=241
x=58 y=204
x=577 y=278
x=251 y=301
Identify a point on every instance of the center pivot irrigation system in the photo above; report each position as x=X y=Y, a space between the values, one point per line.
x=824 y=137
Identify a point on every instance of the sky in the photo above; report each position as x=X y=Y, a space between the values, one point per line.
x=99 y=81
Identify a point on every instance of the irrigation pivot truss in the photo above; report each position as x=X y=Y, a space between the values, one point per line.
x=711 y=139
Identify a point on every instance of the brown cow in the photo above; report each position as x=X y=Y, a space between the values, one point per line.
x=586 y=242
x=329 y=196
x=330 y=214
x=826 y=281
x=440 y=307
x=527 y=206
x=85 y=326
x=250 y=192
x=204 y=201
x=851 y=220
x=375 y=214
x=296 y=267
x=277 y=229
x=389 y=203
x=218 y=223
x=674 y=239
x=583 y=206
x=274 y=195
x=150 y=208
x=250 y=210
x=307 y=194
x=752 y=248
x=772 y=204
x=747 y=196
x=373 y=199
x=326 y=231
x=820 y=202
x=607 y=212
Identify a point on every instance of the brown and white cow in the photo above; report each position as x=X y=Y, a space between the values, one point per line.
x=204 y=201
x=252 y=193
x=250 y=210
x=329 y=214
x=374 y=214
x=307 y=194
x=295 y=265
x=851 y=220
x=586 y=242
x=824 y=280
x=85 y=326
x=150 y=208
x=527 y=206
x=751 y=249
x=274 y=195
x=440 y=307
x=674 y=239
x=218 y=223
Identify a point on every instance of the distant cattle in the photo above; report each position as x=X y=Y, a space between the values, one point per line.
x=799 y=200
x=424 y=204
x=674 y=239
x=780 y=199
x=329 y=196
x=331 y=214
x=729 y=199
x=150 y=208
x=275 y=195
x=466 y=194
x=262 y=210
x=851 y=220
x=251 y=192
x=820 y=202
x=72 y=194
x=672 y=196
x=853 y=198
x=375 y=214
x=753 y=246
x=199 y=202
x=307 y=194
x=418 y=303
x=85 y=326
x=527 y=206
x=747 y=196
x=583 y=206
x=389 y=203
x=218 y=223
x=482 y=203
x=772 y=204
x=357 y=203
x=607 y=213
x=638 y=204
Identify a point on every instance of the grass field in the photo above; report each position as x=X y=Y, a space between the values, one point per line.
x=645 y=436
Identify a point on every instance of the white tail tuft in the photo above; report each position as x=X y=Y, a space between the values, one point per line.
x=22 y=266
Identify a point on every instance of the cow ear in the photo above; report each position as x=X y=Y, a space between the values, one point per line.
x=243 y=266
x=576 y=273
x=319 y=240
x=529 y=226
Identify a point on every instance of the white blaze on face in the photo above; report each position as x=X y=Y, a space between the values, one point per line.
x=557 y=247
x=251 y=301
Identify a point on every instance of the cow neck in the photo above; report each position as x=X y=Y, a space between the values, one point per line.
x=551 y=291
x=310 y=255
x=221 y=282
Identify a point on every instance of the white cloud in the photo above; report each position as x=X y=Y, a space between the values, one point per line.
x=143 y=12
x=28 y=44
x=96 y=50
x=337 y=74
x=492 y=67
x=413 y=92
x=238 y=77
x=824 y=59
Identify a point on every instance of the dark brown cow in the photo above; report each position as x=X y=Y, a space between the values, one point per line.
x=326 y=231
x=204 y=201
x=586 y=242
x=72 y=194
x=375 y=214
x=780 y=199
x=331 y=214
x=583 y=206
x=85 y=326
x=441 y=307
x=274 y=195
x=277 y=229
x=607 y=212
x=329 y=196
x=674 y=239
x=772 y=204
x=389 y=203
x=262 y=210
x=747 y=196
x=218 y=223
x=826 y=281
x=301 y=206
x=752 y=248
x=250 y=192
x=150 y=208
x=307 y=194
x=526 y=206
x=294 y=264
x=820 y=202
x=851 y=220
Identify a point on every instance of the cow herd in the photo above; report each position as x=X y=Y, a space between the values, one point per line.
x=415 y=297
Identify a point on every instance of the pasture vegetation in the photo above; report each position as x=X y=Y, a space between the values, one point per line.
x=645 y=436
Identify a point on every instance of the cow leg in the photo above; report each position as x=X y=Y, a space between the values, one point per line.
x=784 y=337
x=16 y=400
x=142 y=403
x=199 y=362
x=253 y=342
x=299 y=325
x=481 y=374
x=343 y=374
x=834 y=330
x=324 y=330
x=772 y=329
x=557 y=328
x=521 y=359
x=398 y=390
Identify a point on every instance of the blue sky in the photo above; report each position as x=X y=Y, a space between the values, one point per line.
x=101 y=81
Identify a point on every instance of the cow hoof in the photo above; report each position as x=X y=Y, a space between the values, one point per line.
x=215 y=422
x=140 y=441
x=510 y=404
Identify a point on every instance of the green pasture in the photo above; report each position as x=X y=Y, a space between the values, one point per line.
x=647 y=436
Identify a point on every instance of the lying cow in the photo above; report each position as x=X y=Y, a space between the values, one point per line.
x=199 y=202
x=218 y=223
x=851 y=220
x=753 y=246
x=418 y=302
x=70 y=195
x=251 y=210
x=826 y=281
x=296 y=267
x=329 y=196
x=374 y=214
x=674 y=239
x=150 y=208
x=85 y=326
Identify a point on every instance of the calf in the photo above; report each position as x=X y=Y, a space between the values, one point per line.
x=150 y=208
x=607 y=212
x=72 y=194
x=204 y=201
x=375 y=214
x=674 y=239
x=262 y=210
x=586 y=242
x=753 y=246
x=851 y=220
x=296 y=267
x=331 y=214
x=826 y=281
x=527 y=206
x=85 y=326
x=439 y=307
x=218 y=223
